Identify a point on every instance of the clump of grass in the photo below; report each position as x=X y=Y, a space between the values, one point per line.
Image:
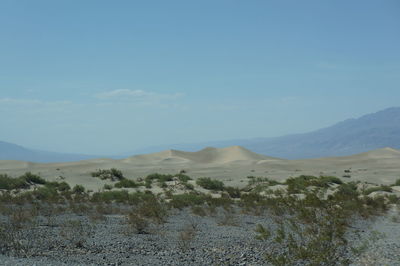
x=183 y=178
x=265 y=180
x=211 y=184
x=127 y=183
x=299 y=184
x=380 y=188
x=112 y=174
x=160 y=177
x=59 y=186
x=187 y=236
x=107 y=187
x=149 y=210
x=78 y=189
x=396 y=183
x=187 y=199
x=22 y=182
x=233 y=192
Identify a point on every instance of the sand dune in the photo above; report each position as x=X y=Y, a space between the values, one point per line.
x=205 y=156
x=231 y=165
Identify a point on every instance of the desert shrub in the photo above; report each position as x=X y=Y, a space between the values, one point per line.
x=346 y=192
x=160 y=177
x=113 y=174
x=198 y=210
x=46 y=194
x=224 y=202
x=187 y=199
x=76 y=233
x=262 y=232
x=183 y=178
x=33 y=179
x=233 y=192
x=107 y=187
x=22 y=182
x=227 y=218
x=152 y=208
x=397 y=182
x=188 y=186
x=147 y=183
x=299 y=184
x=393 y=199
x=186 y=237
x=126 y=183
x=119 y=196
x=149 y=210
x=78 y=189
x=59 y=186
x=256 y=180
x=8 y=183
x=380 y=188
x=211 y=184
x=137 y=223
x=325 y=181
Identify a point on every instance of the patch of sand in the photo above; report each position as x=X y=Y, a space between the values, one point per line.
x=231 y=165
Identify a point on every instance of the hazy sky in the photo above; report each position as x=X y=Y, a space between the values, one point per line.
x=105 y=77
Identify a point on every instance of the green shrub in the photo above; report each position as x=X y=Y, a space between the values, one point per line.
x=46 y=194
x=380 y=188
x=119 y=196
x=22 y=182
x=300 y=184
x=188 y=186
x=62 y=186
x=211 y=184
x=126 y=183
x=397 y=183
x=33 y=179
x=183 y=178
x=255 y=180
x=187 y=199
x=107 y=187
x=9 y=183
x=160 y=177
x=112 y=174
x=78 y=189
x=233 y=192
x=325 y=181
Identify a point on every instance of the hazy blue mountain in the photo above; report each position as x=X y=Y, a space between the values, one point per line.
x=369 y=132
x=9 y=151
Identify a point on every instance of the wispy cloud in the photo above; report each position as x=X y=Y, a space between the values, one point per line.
x=21 y=101
x=138 y=96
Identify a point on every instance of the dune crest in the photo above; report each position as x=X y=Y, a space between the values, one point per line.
x=204 y=156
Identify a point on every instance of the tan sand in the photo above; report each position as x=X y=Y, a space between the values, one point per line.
x=231 y=165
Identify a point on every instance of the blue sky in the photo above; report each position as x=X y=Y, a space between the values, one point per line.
x=106 y=77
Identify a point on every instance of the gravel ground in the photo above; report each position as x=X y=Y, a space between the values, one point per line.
x=109 y=242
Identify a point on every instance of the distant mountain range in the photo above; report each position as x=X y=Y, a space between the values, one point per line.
x=369 y=132
x=9 y=151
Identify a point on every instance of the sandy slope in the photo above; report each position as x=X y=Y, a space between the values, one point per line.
x=231 y=165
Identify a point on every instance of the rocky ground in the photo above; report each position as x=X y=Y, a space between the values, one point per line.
x=185 y=239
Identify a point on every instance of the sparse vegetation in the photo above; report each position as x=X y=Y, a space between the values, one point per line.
x=111 y=174
x=127 y=183
x=211 y=184
x=306 y=230
x=22 y=182
x=379 y=188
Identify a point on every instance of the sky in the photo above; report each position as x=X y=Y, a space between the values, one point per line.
x=109 y=77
